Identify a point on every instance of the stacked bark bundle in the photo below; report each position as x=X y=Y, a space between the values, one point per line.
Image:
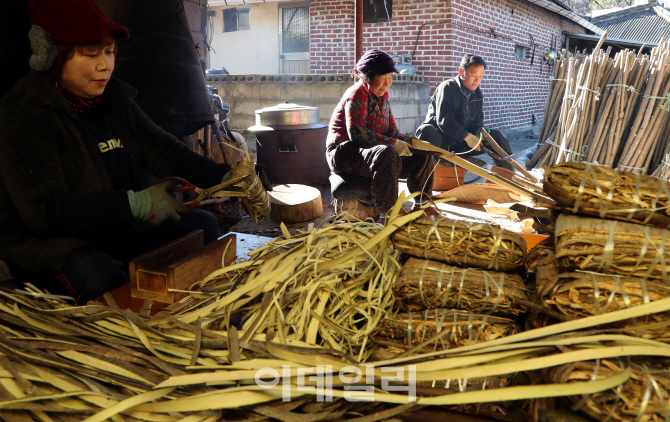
x=440 y=329
x=619 y=260
x=610 y=111
x=461 y=271
x=443 y=306
x=463 y=243
x=600 y=191
x=425 y=284
x=452 y=293
x=604 y=265
x=643 y=397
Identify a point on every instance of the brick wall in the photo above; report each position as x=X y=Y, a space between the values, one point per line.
x=513 y=89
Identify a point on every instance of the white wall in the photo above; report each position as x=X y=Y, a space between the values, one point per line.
x=250 y=51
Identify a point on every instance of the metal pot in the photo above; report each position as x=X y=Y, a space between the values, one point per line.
x=291 y=143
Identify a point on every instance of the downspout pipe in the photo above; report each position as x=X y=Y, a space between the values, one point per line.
x=359 y=30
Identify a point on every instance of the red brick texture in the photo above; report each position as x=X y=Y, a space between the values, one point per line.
x=513 y=89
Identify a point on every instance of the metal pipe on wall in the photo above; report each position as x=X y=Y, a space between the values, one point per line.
x=359 y=30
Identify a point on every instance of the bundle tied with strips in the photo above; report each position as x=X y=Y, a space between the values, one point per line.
x=538 y=252
x=612 y=247
x=499 y=410
x=542 y=260
x=440 y=329
x=461 y=242
x=582 y=294
x=644 y=397
x=607 y=193
x=425 y=284
x=255 y=200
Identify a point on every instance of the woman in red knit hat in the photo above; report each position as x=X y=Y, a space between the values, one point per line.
x=363 y=139
x=74 y=207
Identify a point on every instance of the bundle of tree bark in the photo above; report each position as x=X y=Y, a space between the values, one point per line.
x=441 y=329
x=461 y=242
x=612 y=247
x=498 y=410
x=582 y=294
x=601 y=266
x=425 y=284
x=609 y=111
x=643 y=397
x=583 y=188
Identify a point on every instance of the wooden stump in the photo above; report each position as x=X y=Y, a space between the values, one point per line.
x=355 y=208
x=294 y=203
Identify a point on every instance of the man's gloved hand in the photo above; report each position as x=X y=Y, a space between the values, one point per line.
x=473 y=141
x=155 y=205
x=260 y=171
x=402 y=148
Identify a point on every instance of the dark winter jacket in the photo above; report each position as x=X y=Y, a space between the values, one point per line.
x=363 y=118
x=455 y=111
x=55 y=192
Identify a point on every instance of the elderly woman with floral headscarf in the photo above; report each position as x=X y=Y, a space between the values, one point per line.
x=74 y=204
x=363 y=139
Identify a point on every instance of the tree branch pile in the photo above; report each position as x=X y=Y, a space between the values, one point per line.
x=609 y=111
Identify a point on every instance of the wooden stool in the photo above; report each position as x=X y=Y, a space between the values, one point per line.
x=351 y=194
x=294 y=203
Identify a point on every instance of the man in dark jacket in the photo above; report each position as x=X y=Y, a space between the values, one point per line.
x=455 y=117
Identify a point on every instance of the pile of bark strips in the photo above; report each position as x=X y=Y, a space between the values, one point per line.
x=609 y=253
x=611 y=111
x=327 y=324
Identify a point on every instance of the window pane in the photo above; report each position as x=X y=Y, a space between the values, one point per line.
x=243 y=19
x=376 y=11
x=520 y=52
x=384 y=10
x=230 y=20
x=295 y=29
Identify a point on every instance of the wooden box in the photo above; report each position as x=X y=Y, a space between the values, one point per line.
x=158 y=275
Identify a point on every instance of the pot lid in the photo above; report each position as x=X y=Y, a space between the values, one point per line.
x=286 y=114
x=262 y=128
x=286 y=106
